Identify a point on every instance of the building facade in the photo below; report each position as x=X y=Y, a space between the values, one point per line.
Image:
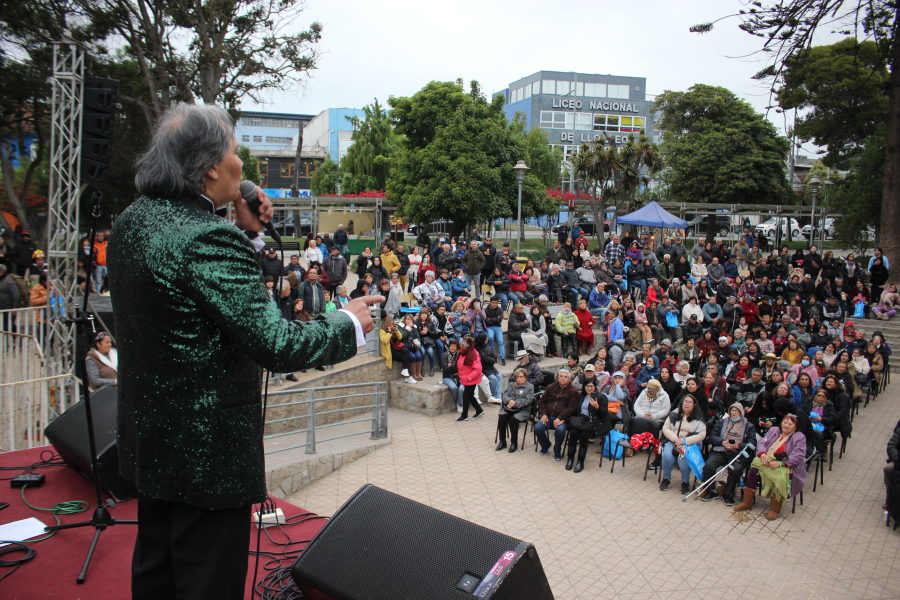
x=266 y=133
x=330 y=133
x=574 y=108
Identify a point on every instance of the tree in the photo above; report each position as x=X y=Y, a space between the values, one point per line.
x=597 y=163
x=235 y=50
x=543 y=161
x=858 y=198
x=324 y=180
x=789 y=26
x=367 y=163
x=457 y=158
x=843 y=89
x=251 y=165
x=718 y=150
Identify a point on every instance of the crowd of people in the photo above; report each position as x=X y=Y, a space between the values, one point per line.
x=756 y=359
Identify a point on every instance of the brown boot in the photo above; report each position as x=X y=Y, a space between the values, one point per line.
x=418 y=373
x=747 y=502
x=774 y=508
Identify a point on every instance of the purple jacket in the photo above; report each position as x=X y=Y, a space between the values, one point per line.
x=796 y=450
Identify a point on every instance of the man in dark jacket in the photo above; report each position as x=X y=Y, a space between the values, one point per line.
x=489 y=251
x=559 y=402
x=473 y=261
x=423 y=241
x=340 y=239
x=403 y=257
x=336 y=268
x=555 y=254
x=24 y=253
x=447 y=259
x=271 y=265
x=505 y=259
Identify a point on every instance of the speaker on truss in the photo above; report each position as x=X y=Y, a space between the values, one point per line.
x=380 y=545
x=97 y=120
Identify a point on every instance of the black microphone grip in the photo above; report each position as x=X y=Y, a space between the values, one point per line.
x=248 y=193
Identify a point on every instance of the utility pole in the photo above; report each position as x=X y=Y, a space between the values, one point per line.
x=572 y=159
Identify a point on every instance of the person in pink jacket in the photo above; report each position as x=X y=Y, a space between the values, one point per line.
x=469 y=367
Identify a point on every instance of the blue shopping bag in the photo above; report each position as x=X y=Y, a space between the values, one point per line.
x=671 y=319
x=613 y=440
x=695 y=460
x=859 y=311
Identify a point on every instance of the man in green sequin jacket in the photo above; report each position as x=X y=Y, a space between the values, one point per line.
x=194 y=329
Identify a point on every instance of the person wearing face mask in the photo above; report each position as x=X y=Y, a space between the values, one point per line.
x=732 y=435
x=807 y=366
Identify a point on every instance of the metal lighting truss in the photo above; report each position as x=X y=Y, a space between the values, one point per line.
x=65 y=190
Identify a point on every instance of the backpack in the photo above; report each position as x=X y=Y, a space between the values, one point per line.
x=24 y=292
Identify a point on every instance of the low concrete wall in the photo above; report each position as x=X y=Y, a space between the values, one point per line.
x=288 y=480
x=374 y=371
x=421 y=398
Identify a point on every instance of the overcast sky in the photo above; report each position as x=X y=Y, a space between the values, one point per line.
x=394 y=47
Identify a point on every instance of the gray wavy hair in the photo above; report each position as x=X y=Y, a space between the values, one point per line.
x=188 y=141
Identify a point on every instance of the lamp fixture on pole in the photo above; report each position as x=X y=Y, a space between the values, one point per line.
x=814 y=183
x=520 y=169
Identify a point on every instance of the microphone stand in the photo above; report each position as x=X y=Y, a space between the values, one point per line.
x=101 y=518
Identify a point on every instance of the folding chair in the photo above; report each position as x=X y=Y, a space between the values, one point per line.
x=486 y=289
x=532 y=417
x=636 y=426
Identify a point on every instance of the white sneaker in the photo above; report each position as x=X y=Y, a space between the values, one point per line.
x=458 y=408
x=412 y=380
x=493 y=400
x=404 y=373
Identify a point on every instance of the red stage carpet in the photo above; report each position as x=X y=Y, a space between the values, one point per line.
x=52 y=572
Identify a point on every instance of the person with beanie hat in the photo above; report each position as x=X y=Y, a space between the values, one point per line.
x=732 y=434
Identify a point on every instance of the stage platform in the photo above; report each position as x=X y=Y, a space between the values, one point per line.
x=51 y=573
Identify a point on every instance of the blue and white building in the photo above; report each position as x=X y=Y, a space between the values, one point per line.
x=578 y=107
x=330 y=133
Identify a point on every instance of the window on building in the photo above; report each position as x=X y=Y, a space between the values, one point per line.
x=257 y=139
x=536 y=87
x=527 y=89
x=640 y=123
x=563 y=120
x=619 y=91
x=548 y=86
x=612 y=122
x=251 y=121
x=562 y=87
x=595 y=90
x=245 y=138
x=583 y=121
x=278 y=140
x=599 y=122
x=579 y=89
x=286 y=169
x=263 y=171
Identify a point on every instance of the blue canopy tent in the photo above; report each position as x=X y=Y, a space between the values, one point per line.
x=653 y=215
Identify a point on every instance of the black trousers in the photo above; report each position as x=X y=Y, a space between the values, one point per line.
x=717 y=460
x=507 y=420
x=189 y=553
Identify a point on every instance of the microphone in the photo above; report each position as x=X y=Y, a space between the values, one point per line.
x=248 y=193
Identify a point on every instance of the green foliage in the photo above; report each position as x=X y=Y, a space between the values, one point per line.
x=843 y=89
x=367 y=164
x=456 y=162
x=251 y=165
x=859 y=197
x=543 y=160
x=822 y=172
x=324 y=180
x=717 y=149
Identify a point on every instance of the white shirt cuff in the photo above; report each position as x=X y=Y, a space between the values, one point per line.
x=258 y=243
x=360 y=335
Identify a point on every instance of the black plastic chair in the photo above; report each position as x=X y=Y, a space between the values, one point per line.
x=636 y=426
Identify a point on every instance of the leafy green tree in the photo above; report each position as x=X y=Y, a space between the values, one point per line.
x=367 y=163
x=544 y=161
x=843 y=90
x=251 y=165
x=324 y=180
x=789 y=26
x=456 y=162
x=858 y=198
x=718 y=150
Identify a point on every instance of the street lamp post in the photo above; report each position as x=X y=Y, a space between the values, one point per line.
x=814 y=183
x=520 y=169
x=827 y=183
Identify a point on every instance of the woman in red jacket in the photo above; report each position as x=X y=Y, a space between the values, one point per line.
x=469 y=369
x=585 y=335
x=518 y=284
x=751 y=310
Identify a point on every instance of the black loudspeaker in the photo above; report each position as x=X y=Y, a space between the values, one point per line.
x=97 y=125
x=380 y=545
x=68 y=434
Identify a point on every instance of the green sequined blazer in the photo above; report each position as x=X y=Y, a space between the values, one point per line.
x=194 y=326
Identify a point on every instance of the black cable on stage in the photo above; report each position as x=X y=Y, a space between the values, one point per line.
x=18 y=562
x=53 y=460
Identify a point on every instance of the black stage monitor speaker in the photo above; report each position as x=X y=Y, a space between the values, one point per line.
x=68 y=434
x=382 y=546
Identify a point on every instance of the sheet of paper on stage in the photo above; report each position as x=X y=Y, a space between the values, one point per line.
x=19 y=531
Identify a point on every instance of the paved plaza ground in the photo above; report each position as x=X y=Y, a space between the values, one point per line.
x=606 y=536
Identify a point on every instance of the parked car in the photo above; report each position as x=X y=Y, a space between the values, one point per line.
x=768 y=228
x=829 y=230
x=698 y=226
x=586 y=223
x=285 y=227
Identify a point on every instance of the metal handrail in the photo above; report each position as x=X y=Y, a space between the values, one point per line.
x=378 y=419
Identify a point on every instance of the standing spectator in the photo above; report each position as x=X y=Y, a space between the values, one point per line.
x=555 y=254
x=9 y=298
x=884 y=259
x=389 y=260
x=340 y=239
x=312 y=294
x=294 y=267
x=423 y=242
x=494 y=315
x=741 y=253
x=582 y=241
x=415 y=262
x=469 y=367
x=473 y=261
x=489 y=251
x=562 y=232
x=100 y=270
x=878 y=276
x=271 y=265
x=505 y=259
x=364 y=261
x=403 y=271
x=335 y=267
x=614 y=251
x=312 y=254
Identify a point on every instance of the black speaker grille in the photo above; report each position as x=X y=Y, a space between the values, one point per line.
x=381 y=545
